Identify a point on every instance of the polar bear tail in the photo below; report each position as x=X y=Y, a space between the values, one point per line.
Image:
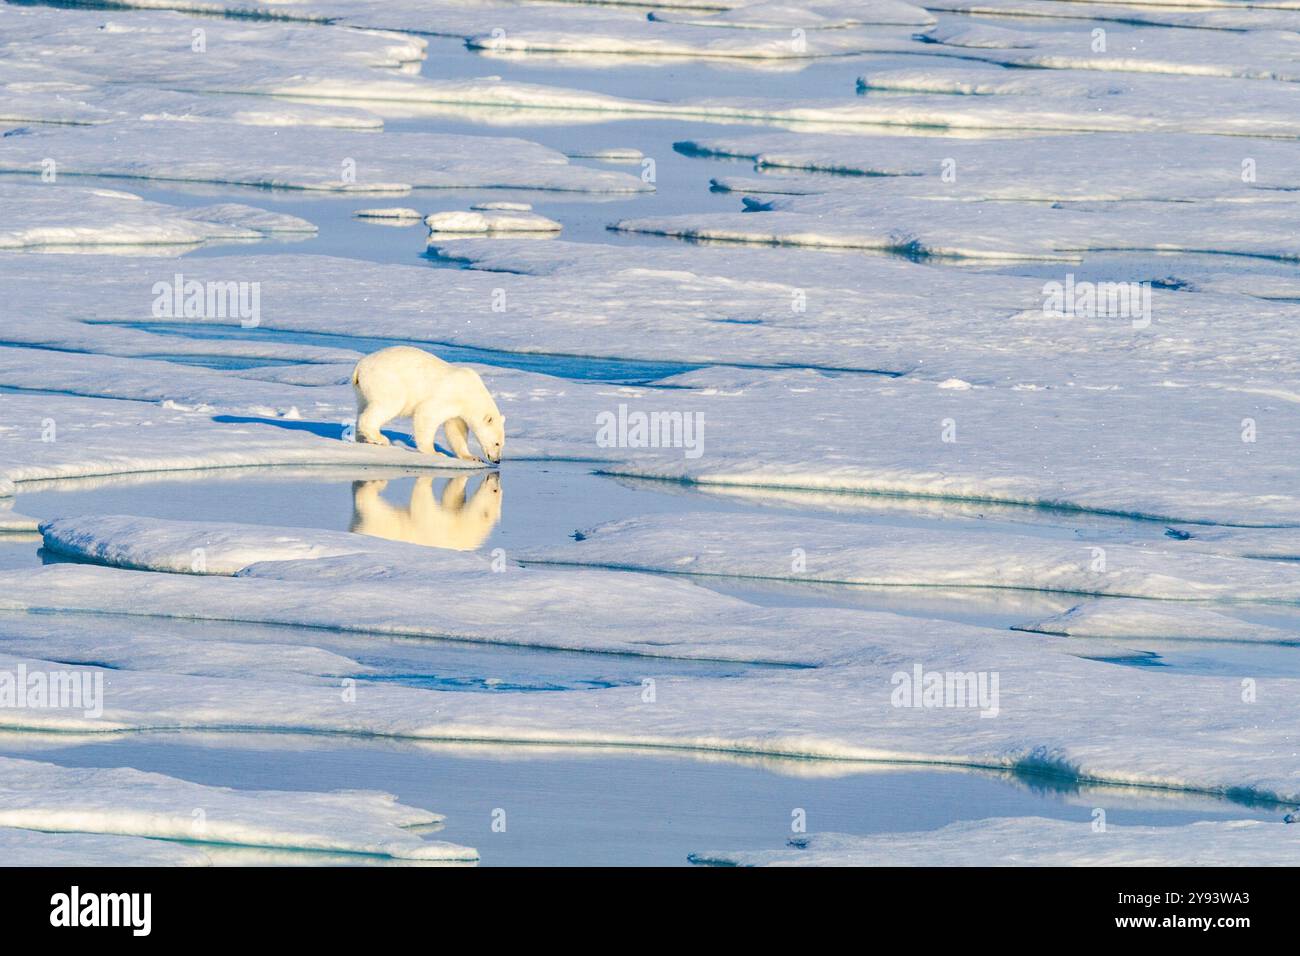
x=356 y=375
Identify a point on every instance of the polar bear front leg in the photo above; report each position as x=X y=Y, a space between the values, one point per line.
x=458 y=438
x=428 y=418
x=453 y=494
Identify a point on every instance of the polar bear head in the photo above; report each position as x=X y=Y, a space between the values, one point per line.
x=485 y=419
x=491 y=434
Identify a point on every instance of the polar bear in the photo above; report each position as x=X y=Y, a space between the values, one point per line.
x=447 y=522
x=401 y=381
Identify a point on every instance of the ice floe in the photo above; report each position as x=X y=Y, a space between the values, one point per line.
x=1035 y=841
x=177 y=52
x=310 y=159
x=1134 y=464
x=56 y=217
x=1195 y=432
x=1190 y=13
x=392 y=215
x=616 y=34
x=490 y=221
x=834 y=552
x=1112 y=167
x=1038 y=711
x=36 y=848
x=89 y=436
x=1139 y=619
x=121 y=643
x=1256 y=55
x=875 y=220
x=355 y=582
x=126 y=802
x=222 y=549
x=788 y=307
x=782 y=15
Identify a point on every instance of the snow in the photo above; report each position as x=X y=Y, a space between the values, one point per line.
x=490 y=221
x=126 y=802
x=1053 y=713
x=64 y=217
x=174 y=51
x=1254 y=55
x=613 y=33
x=141 y=644
x=96 y=438
x=1035 y=841
x=1049 y=494
x=816 y=15
x=401 y=214
x=34 y=848
x=1136 y=619
x=1175 y=168
x=349 y=581
x=872 y=219
x=222 y=549
x=834 y=553
x=1179 y=400
x=309 y=159
x=1208 y=16
x=590 y=300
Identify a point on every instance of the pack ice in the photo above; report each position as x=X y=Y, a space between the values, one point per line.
x=125 y=802
x=1034 y=841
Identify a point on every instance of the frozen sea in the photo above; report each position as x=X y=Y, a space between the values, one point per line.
x=605 y=654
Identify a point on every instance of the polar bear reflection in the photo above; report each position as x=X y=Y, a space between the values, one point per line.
x=446 y=522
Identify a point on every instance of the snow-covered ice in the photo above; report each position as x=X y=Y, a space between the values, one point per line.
x=834 y=552
x=490 y=221
x=1110 y=167
x=45 y=217
x=873 y=219
x=126 y=802
x=891 y=447
x=37 y=848
x=308 y=159
x=1134 y=619
x=1035 y=841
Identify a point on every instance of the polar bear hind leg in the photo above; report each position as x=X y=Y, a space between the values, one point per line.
x=370 y=421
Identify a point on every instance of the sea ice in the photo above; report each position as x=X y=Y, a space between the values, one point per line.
x=1205 y=16
x=66 y=217
x=126 y=802
x=1035 y=841
x=490 y=222
x=311 y=159
x=1255 y=54
x=35 y=848
x=835 y=552
x=783 y=15
x=1104 y=167
x=1143 y=619
x=1034 y=709
x=873 y=219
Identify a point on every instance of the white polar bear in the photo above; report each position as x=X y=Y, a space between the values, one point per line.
x=401 y=381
